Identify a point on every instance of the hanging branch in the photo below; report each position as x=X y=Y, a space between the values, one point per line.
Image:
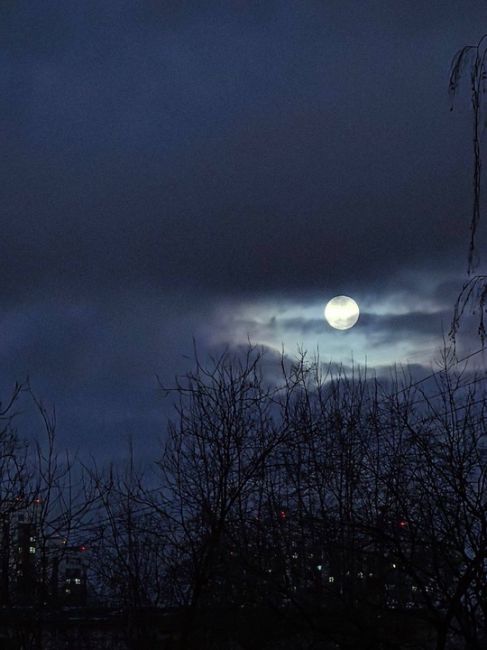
x=473 y=56
x=474 y=290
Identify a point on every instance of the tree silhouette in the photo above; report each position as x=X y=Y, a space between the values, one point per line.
x=470 y=61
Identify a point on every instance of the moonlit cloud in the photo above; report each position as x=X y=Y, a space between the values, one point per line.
x=390 y=328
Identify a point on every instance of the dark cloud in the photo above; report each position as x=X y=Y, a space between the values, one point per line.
x=158 y=157
x=213 y=152
x=389 y=328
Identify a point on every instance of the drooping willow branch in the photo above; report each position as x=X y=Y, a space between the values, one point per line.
x=474 y=57
x=474 y=291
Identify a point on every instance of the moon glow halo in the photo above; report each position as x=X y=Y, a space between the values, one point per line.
x=342 y=312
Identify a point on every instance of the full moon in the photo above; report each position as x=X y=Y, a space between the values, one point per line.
x=342 y=312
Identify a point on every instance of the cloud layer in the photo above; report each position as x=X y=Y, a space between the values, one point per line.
x=164 y=160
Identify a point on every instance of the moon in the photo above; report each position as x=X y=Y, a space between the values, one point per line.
x=342 y=312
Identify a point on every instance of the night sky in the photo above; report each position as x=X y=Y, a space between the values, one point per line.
x=219 y=170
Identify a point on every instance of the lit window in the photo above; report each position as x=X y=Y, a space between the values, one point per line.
x=77 y=581
x=319 y=567
x=295 y=556
x=32 y=549
x=67 y=591
x=394 y=566
x=331 y=579
x=32 y=539
x=360 y=574
x=414 y=588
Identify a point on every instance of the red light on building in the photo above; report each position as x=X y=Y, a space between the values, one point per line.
x=37 y=501
x=82 y=549
x=282 y=515
x=403 y=523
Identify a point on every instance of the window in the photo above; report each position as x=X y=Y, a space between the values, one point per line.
x=77 y=581
x=331 y=579
x=32 y=549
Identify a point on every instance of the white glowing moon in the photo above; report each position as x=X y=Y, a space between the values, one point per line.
x=342 y=312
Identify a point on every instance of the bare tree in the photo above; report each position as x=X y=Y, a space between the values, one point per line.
x=336 y=502
x=210 y=471
x=321 y=507
x=127 y=546
x=435 y=534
